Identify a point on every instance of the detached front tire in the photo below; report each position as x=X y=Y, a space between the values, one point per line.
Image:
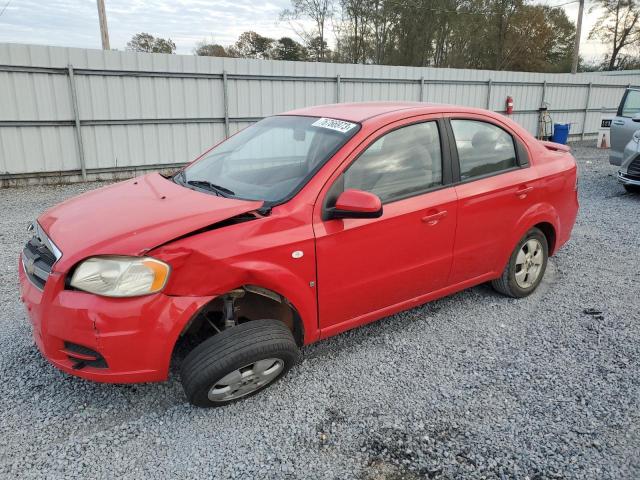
x=238 y=363
x=526 y=266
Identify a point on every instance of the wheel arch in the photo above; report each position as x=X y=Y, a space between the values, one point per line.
x=257 y=303
x=550 y=234
x=543 y=216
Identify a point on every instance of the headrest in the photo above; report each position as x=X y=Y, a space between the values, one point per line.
x=484 y=139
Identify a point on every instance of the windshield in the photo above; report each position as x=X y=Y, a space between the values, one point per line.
x=270 y=160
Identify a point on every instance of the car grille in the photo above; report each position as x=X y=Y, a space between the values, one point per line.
x=38 y=258
x=633 y=169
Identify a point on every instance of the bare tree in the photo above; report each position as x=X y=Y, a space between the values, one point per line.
x=618 y=26
x=318 y=11
x=357 y=18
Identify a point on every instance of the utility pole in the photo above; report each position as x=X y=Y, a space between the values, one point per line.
x=576 y=45
x=104 y=32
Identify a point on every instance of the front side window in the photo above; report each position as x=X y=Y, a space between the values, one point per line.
x=631 y=105
x=270 y=160
x=483 y=148
x=399 y=164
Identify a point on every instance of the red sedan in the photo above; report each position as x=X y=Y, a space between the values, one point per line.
x=300 y=227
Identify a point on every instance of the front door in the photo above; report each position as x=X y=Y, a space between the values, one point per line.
x=623 y=126
x=367 y=265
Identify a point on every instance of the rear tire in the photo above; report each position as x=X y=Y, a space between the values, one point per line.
x=632 y=188
x=238 y=363
x=526 y=266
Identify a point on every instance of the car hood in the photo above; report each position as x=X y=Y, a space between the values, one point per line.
x=132 y=217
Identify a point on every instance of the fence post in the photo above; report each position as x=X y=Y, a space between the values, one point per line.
x=422 y=89
x=76 y=116
x=489 y=83
x=225 y=95
x=338 y=88
x=544 y=93
x=586 y=111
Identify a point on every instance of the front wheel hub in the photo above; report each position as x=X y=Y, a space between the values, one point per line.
x=246 y=380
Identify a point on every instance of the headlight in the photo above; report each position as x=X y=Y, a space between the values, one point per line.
x=121 y=276
x=636 y=136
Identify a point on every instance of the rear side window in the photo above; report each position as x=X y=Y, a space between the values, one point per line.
x=483 y=148
x=401 y=163
x=631 y=105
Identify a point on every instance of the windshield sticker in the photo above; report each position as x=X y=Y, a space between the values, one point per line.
x=333 y=124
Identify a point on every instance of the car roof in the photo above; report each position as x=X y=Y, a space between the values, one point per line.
x=362 y=111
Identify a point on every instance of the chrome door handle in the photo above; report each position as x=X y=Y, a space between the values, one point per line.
x=434 y=218
x=522 y=192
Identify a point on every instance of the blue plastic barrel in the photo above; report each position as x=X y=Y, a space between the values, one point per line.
x=560 y=133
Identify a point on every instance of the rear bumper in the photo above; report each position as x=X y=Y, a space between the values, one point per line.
x=134 y=337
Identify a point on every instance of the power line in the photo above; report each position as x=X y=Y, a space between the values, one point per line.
x=5 y=7
x=565 y=3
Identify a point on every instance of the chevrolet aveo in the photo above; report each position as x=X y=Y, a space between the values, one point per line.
x=299 y=227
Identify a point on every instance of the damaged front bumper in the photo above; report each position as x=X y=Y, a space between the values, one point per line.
x=114 y=340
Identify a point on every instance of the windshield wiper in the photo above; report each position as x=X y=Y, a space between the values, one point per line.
x=206 y=184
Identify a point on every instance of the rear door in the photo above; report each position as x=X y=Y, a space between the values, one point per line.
x=367 y=265
x=496 y=187
x=623 y=126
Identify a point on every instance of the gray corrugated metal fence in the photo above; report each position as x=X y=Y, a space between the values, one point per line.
x=67 y=111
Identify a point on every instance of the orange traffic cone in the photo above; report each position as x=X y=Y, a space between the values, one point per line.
x=603 y=143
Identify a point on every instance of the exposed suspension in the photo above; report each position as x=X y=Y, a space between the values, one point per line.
x=230 y=310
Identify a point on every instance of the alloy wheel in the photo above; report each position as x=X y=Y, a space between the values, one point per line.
x=529 y=263
x=246 y=380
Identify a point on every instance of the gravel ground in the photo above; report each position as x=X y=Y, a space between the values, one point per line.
x=474 y=385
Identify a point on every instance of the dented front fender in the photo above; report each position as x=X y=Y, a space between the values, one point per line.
x=252 y=253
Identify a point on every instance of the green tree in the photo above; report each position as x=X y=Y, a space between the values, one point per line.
x=318 y=49
x=251 y=45
x=383 y=16
x=288 y=49
x=205 y=49
x=145 y=42
x=356 y=41
x=483 y=34
x=539 y=38
x=502 y=12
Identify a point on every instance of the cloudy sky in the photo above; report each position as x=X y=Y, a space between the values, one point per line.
x=74 y=23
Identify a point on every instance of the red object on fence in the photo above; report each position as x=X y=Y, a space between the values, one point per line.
x=509 y=105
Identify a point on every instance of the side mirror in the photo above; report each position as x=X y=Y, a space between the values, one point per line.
x=356 y=204
x=636 y=117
